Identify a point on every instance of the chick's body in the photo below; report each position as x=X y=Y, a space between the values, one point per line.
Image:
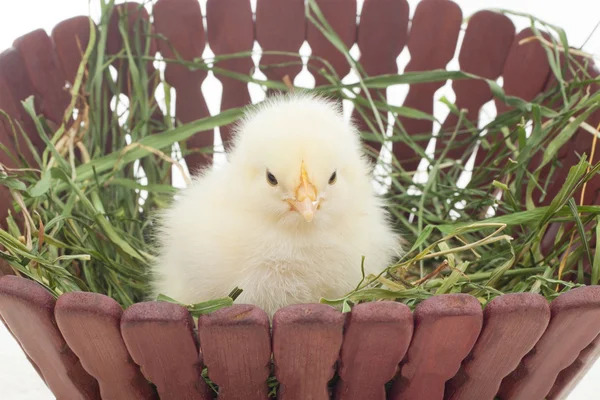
x=287 y=219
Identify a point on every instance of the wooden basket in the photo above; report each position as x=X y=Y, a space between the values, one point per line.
x=84 y=345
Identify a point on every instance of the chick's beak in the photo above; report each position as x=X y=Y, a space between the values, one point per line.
x=305 y=201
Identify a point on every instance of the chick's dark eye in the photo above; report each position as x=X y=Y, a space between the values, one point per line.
x=333 y=178
x=271 y=179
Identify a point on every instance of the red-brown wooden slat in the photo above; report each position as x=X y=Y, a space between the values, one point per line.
x=236 y=348
x=28 y=310
x=159 y=337
x=180 y=22
x=484 y=49
x=570 y=377
x=574 y=324
x=512 y=325
x=524 y=74
x=45 y=74
x=382 y=34
x=280 y=29
x=90 y=323
x=71 y=38
x=376 y=338
x=306 y=343
x=341 y=16
x=432 y=42
x=137 y=22
x=15 y=87
x=446 y=328
x=230 y=30
x=33 y=364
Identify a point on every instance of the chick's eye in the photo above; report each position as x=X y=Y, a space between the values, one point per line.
x=333 y=178
x=271 y=179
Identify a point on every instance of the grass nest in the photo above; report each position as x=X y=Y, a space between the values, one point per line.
x=82 y=214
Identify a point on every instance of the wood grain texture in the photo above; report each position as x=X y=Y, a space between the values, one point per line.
x=574 y=324
x=236 y=348
x=432 y=42
x=306 y=344
x=45 y=74
x=341 y=16
x=90 y=323
x=376 y=338
x=570 y=377
x=28 y=310
x=382 y=34
x=487 y=41
x=512 y=325
x=230 y=29
x=280 y=28
x=446 y=328
x=159 y=338
x=180 y=23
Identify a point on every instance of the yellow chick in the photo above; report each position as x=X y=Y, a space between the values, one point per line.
x=287 y=219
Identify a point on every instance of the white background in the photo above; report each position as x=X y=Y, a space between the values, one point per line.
x=18 y=380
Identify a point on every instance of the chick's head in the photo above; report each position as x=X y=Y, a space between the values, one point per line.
x=300 y=161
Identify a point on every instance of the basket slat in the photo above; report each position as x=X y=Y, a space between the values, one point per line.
x=236 y=348
x=37 y=50
x=446 y=328
x=376 y=338
x=230 y=29
x=513 y=323
x=179 y=21
x=159 y=337
x=90 y=323
x=137 y=21
x=28 y=310
x=16 y=87
x=569 y=377
x=432 y=43
x=341 y=16
x=306 y=344
x=487 y=41
x=382 y=34
x=280 y=29
x=575 y=323
x=525 y=73
x=33 y=364
x=71 y=38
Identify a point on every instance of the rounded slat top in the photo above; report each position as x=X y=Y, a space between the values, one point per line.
x=230 y=29
x=28 y=310
x=341 y=16
x=574 y=324
x=434 y=31
x=37 y=50
x=306 y=338
x=526 y=68
x=280 y=28
x=160 y=339
x=71 y=38
x=180 y=22
x=446 y=328
x=376 y=338
x=90 y=323
x=513 y=323
x=382 y=34
x=236 y=348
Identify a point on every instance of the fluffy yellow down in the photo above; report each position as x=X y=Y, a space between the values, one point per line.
x=245 y=224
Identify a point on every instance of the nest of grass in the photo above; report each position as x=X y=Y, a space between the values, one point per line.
x=83 y=211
